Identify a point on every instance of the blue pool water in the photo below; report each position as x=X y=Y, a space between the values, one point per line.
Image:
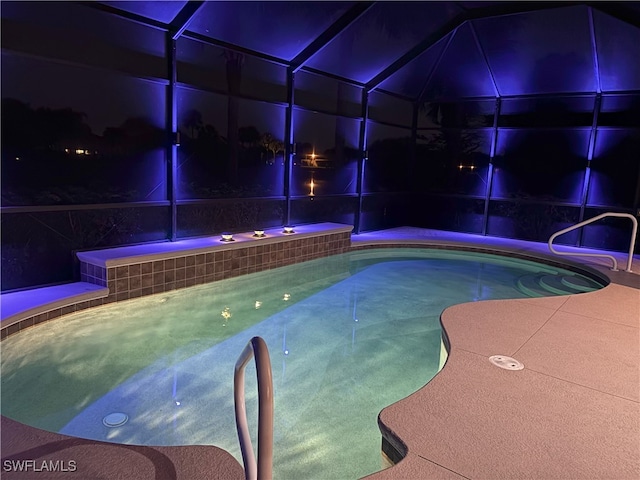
x=348 y=335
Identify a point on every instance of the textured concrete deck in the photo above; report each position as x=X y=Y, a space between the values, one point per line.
x=59 y=457
x=572 y=413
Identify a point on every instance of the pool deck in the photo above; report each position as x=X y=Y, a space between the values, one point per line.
x=573 y=412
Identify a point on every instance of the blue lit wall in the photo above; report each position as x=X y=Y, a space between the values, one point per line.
x=514 y=125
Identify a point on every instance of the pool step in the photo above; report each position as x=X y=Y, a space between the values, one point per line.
x=543 y=285
x=582 y=284
x=530 y=286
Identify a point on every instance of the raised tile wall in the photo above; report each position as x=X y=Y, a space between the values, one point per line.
x=146 y=278
x=182 y=270
x=48 y=315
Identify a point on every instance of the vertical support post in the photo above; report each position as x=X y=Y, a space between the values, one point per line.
x=414 y=146
x=492 y=153
x=362 y=146
x=594 y=124
x=172 y=127
x=587 y=174
x=288 y=144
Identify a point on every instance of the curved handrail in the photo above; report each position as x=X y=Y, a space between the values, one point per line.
x=262 y=470
x=634 y=232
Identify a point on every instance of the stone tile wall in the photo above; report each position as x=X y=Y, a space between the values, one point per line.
x=180 y=271
x=146 y=278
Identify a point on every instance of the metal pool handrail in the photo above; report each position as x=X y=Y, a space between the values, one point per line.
x=262 y=470
x=634 y=232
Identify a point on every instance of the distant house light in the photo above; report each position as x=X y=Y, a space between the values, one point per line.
x=81 y=151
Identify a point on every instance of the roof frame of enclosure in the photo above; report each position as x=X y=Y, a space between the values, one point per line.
x=179 y=27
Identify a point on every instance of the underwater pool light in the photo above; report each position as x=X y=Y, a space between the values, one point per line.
x=115 y=419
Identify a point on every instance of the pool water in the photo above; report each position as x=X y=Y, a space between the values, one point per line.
x=348 y=335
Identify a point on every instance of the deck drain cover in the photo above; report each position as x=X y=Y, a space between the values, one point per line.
x=115 y=419
x=507 y=363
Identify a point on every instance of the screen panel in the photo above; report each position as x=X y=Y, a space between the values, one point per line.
x=229 y=215
x=324 y=94
x=388 y=109
x=207 y=67
x=546 y=51
x=38 y=248
x=453 y=161
x=574 y=111
x=462 y=71
x=618 y=46
x=620 y=111
x=281 y=29
x=380 y=36
x=532 y=221
x=615 y=168
x=328 y=209
x=543 y=164
x=208 y=168
x=454 y=214
x=610 y=233
x=387 y=166
x=459 y=114
x=387 y=210
x=411 y=79
x=326 y=154
x=65 y=144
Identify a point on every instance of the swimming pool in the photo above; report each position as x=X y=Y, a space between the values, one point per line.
x=348 y=335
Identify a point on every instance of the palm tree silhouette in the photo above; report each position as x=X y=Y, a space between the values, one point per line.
x=233 y=61
x=193 y=121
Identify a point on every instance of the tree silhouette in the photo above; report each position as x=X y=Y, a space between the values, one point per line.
x=233 y=62
x=249 y=136
x=272 y=144
x=17 y=123
x=193 y=121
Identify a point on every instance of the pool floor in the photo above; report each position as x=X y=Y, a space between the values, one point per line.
x=373 y=344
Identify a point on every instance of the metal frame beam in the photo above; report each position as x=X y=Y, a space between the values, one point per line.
x=415 y=113
x=435 y=66
x=289 y=152
x=182 y=19
x=231 y=46
x=416 y=51
x=594 y=51
x=134 y=17
x=362 y=145
x=350 y=16
x=485 y=57
x=490 y=169
x=504 y=8
x=619 y=11
x=346 y=80
x=172 y=129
